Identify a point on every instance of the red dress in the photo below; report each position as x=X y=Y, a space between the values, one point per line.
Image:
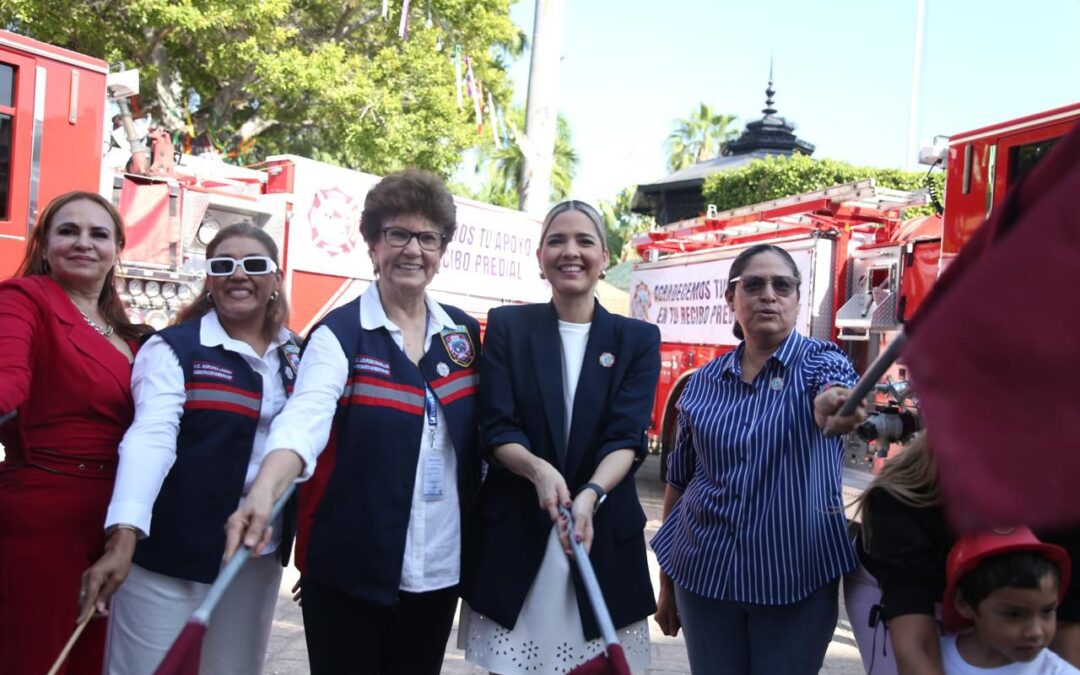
x=71 y=388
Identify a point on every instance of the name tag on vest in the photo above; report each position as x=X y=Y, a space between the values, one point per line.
x=433 y=476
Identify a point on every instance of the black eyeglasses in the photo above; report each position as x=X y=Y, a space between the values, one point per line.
x=253 y=265
x=754 y=285
x=399 y=237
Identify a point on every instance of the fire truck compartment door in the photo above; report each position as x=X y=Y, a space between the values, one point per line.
x=865 y=312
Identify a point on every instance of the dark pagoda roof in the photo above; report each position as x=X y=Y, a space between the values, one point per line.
x=678 y=195
x=772 y=134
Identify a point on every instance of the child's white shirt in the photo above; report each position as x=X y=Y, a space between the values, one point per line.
x=1046 y=663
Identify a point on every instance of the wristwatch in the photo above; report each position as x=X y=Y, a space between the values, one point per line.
x=600 y=494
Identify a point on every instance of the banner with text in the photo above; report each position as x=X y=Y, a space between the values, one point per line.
x=687 y=301
x=492 y=253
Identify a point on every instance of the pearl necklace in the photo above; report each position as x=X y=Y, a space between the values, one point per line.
x=105 y=331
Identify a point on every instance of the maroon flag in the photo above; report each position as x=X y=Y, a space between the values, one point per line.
x=183 y=657
x=612 y=662
x=994 y=353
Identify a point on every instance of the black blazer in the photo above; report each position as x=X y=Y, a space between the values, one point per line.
x=521 y=401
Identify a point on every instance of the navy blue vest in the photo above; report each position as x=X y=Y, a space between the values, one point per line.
x=213 y=449
x=355 y=510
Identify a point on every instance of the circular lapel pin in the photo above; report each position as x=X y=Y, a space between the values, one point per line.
x=442 y=369
x=776 y=384
x=607 y=359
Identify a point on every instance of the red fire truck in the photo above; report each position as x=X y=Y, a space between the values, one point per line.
x=865 y=269
x=57 y=134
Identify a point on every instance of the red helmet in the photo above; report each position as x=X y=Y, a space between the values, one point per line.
x=971 y=549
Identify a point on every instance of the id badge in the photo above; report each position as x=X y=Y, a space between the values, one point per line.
x=433 y=477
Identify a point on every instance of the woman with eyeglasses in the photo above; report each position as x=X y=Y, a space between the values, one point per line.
x=206 y=390
x=754 y=539
x=566 y=393
x=390 y=379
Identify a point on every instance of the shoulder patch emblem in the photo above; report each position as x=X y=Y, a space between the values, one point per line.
x=459 y=347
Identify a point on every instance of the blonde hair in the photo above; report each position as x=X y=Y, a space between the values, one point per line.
x=910 y=477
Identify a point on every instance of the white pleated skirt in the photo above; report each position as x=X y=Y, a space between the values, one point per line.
x=548 y=637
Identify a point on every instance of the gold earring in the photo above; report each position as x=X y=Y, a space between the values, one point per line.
x=603 y=274
x=542 y=275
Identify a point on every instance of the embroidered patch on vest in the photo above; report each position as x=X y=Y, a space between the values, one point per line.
x=215 y=370
x=370 y=364
x=459 y=347
x=292 y=356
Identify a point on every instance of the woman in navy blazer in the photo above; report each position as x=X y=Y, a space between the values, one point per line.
x=566 y=394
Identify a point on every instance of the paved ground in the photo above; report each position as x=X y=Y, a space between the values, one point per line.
x=287 y=654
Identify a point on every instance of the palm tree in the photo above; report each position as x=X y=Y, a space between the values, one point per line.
x=505 y=165
x=699 y=137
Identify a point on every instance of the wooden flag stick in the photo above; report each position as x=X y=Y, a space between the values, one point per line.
x=70 y=643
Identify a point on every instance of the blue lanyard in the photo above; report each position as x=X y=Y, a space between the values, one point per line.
x=430 y=407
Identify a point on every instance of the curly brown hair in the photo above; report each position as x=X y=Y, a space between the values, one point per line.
x=412 y=191
x=34 y=262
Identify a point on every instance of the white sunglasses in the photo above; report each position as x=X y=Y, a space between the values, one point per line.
x=254 y=265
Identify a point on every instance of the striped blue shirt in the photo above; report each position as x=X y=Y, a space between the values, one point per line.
x=761 y=518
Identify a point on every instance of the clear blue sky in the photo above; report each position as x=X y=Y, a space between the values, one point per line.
x=842 y=72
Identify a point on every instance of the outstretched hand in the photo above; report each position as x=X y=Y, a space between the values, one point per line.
x=582 y=510
x=551 y=490
x=248 y=525
x=826 y=406
x=101 y=579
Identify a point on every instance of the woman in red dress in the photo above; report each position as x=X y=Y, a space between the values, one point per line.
x=65 y=367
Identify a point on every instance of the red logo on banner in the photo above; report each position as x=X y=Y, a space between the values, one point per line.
x=335 y=221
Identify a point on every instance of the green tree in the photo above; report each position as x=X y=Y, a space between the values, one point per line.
x=699 y=137
x=321 y=78
x=622 y=223
x=778 y=176
x=502 y=167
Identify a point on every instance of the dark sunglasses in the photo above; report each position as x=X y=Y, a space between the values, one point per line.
x=399 y=237
x=253 y=265
x=754 y=285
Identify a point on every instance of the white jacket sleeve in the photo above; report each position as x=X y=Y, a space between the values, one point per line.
x=148 y=449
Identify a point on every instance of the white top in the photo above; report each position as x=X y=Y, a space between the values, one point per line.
x=1046 y=663
x=433 y=540
x=575 y=336
x=148 y=450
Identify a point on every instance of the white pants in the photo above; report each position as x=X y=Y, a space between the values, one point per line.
x=150 y=609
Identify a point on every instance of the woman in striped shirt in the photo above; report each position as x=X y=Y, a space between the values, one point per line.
x=754 y=539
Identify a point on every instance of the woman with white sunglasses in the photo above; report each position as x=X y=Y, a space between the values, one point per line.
x=206 y=390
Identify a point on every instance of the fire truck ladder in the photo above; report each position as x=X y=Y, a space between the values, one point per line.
x=860 y=205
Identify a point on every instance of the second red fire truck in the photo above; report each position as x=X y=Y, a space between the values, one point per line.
x=865 y=268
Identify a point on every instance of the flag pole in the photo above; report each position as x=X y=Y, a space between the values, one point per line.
x=232 y=568
x=70 y=643
x=874 y=373
x=183 y=657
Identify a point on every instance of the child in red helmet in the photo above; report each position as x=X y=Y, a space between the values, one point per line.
x=1006 y=584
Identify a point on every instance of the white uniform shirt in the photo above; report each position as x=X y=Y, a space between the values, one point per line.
x=433 y=539
x=1046 y=663
x=148 y=450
